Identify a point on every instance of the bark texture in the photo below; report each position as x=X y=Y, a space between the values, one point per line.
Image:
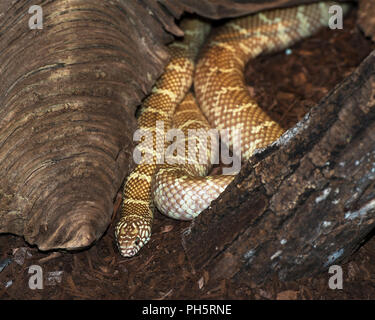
x=68 y=94
x=302 y=204
x=366 y=18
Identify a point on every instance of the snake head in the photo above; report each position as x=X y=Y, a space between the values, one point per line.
x=131 y=236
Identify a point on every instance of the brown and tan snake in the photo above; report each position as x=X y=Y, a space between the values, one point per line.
x=221 y=101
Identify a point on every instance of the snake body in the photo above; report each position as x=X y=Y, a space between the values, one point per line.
x=221 y=101
x=134 y=228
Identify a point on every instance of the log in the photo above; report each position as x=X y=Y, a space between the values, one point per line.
x=302 y=204
x=68 y=95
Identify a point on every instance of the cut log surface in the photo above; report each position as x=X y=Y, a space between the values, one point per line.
x=68 y=94
x=302 y=204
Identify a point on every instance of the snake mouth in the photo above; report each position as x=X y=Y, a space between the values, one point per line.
x=128 y=253
x=129 y=248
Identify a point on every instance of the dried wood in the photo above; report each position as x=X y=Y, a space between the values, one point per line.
x=302 y=204
x=68 y=94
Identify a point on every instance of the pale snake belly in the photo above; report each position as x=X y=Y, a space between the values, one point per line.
x=222 y=101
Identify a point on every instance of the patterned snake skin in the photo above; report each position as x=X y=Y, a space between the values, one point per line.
x=222 y=102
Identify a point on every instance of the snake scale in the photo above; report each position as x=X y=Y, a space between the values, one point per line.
x=221 y=101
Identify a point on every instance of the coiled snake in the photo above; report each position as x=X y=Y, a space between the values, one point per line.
x=182 y=191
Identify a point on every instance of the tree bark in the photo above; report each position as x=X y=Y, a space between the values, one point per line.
x=366 y=18
x=68 y=94
x=302 y=204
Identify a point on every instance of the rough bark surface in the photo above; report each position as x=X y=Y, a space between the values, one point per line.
x=68 y=94
x=366 y=18
x=302 y=204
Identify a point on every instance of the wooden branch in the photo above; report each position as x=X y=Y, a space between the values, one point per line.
x=302 y=204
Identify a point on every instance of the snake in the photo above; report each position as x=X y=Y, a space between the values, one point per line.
x=203 y=87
